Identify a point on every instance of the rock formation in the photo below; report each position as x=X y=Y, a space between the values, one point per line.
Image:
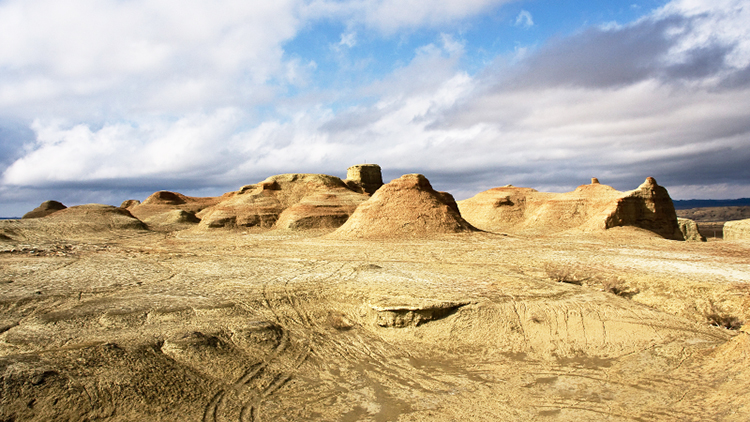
x=590 y=207
x=175 y=219
x=165 y=202
x=407 y=207
x=47 y=208
x=311 y=201
x=690 y=230
x=320 y=210
x=130 y=203
x=648 y=207
x=736 y=230
x=365 y=178
x=94 y=218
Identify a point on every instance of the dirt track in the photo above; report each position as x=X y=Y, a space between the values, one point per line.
x=274 y=326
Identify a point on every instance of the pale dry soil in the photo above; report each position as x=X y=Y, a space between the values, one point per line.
x=274 y=326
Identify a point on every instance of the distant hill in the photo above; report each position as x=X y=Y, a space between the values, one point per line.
x=706 y=203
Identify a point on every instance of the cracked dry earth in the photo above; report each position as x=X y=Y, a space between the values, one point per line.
x=292 y=327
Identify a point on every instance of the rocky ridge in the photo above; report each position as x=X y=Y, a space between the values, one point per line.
x=590 y=208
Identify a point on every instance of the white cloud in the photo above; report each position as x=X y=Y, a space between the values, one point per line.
x=348 y=39
x=524 y=19
x=649 y=98
x=389 y=16
x=195 y=143
x=138 y=53
x=710 y=24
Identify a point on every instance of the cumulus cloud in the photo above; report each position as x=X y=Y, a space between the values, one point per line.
x=611 y=102
x=665 y=96
x=155 y=55
x=194 y=143
x=216 y=147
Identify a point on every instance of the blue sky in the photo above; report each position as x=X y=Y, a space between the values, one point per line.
x=104 y=100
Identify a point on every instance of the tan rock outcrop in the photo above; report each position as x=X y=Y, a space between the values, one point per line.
x=95 y=218
x=365 y=178
x=590 y=207
x=312 y=201
x=130 y=203
x=172 y=220
x=690 y=230
x=407 y=207
x=45 y=209
x=320 y=210
x=736 y=230
x=648 y=207
x=166 y=201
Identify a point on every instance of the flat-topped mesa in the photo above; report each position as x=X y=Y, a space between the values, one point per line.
x=407 y=207
x=737 y=229
x=365 y=178
x=589 y=208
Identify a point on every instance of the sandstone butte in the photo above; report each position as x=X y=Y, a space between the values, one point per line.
x=592 y=207
x=360 y=206
x=735 y=230
x=405 y=207
x=289 y=201
x=690 y=230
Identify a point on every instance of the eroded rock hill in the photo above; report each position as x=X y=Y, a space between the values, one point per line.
x=163 y=202
x=305 y=200
x=592 y=207
x=735 y=230
x=45 y=209
x=405 y=207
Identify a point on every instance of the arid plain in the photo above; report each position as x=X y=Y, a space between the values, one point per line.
x=104 y=317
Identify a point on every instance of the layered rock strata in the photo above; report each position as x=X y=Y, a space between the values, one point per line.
x=163 y=202
x=589 y=208
x=690 y=230
x=407 y=207
x=736 y=230
x=366 y=178
x=305 y=200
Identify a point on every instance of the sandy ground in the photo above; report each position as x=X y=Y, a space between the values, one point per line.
x=283 y=326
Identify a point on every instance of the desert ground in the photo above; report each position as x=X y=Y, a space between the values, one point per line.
x=273 y=325
x=108 y=318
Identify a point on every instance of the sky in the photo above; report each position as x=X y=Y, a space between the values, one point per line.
x=107 y=100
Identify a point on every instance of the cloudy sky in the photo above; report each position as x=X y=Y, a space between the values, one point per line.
x=107 y=100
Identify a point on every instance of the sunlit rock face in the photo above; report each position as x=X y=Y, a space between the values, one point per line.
x=407 y=207
x=690 y=230
x=295 y=201
x=735 y=230
x=165 y=202
x=592 y=207
x=366 y=178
